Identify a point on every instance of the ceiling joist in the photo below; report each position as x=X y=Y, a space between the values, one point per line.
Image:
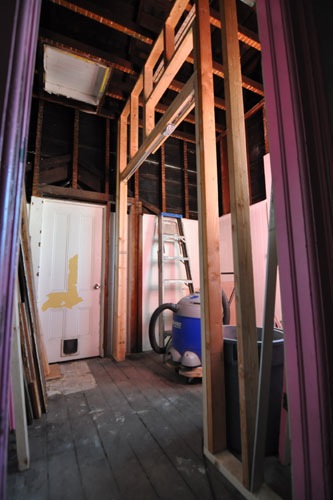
x=97 y=14
x=181 y=106
x=94 y=13
x=83 y=50
x=102 y=16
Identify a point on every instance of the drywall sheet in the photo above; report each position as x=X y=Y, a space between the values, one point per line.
x=259 y=235
x=150 y=270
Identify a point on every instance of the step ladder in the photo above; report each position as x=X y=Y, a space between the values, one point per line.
x=172 y=248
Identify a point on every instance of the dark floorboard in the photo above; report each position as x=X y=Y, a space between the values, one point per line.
x=136 y=435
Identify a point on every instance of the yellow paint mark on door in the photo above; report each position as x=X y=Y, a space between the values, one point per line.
x=70 y=297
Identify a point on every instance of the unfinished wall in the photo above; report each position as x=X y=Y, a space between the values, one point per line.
x=259 y=226
x=150 y=269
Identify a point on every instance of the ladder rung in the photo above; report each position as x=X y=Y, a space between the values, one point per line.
x=173 y=216
x=171 y=237
x=179 y=259
x=177 y=281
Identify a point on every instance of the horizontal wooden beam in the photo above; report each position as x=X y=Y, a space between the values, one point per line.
x=70 y=103
x=176 y=62
x=231 y=468
x=257 y=107
x=244 y=34
x=150 y=207
x=102 y=16
x=55 y=160
x=176 y=86
x=181 y=106
x=86 y=51
x=75 y=194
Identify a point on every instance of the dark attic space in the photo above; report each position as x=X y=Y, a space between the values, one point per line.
x=72 y=144
x=165 y=250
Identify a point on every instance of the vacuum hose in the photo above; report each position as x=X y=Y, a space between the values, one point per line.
x=152 y=337
x=225 y=309
x=160 y=349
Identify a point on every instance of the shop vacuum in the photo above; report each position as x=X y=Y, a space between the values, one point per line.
x=182 y=346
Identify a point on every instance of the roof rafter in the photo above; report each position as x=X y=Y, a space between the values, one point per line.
x=86 y=51
x=99 y=15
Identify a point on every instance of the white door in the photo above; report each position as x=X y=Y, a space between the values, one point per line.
x=69 y=276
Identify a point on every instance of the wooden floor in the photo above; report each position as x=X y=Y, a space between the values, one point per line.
x=136 y=434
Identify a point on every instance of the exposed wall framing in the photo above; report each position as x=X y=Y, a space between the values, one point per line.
x=171 y=50
x=242 y=247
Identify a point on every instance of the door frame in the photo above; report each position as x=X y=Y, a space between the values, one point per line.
x=300 y=147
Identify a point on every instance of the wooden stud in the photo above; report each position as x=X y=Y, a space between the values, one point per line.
x=153 y=138
x=139 y=274
x=183 y=101
x=38 y=145
x=106 y=286
x=244 y=34
x=134 y=136
x=75 y=164
x=169 y=42
x=248 y=165
x=138 y=87
x=247 y=83
x=186 y=184
x=210 y=287
x=134 y=337
x=239 y=198
x=134 y=125
x=173 y=67
x=225 y=174
x=172 y=21
x=107 y=157
x=255 y=109
x=135 y=283
x=119 y=334
x=163 y=182
x=264 y=119
x=148 y=107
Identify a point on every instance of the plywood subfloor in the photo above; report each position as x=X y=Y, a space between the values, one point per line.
x=132 y=430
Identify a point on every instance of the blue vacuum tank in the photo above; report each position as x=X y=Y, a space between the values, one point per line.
x=186 y=337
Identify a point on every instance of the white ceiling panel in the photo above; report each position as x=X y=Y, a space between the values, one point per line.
x=73 y=76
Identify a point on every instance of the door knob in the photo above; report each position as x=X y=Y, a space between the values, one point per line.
x=97 y=286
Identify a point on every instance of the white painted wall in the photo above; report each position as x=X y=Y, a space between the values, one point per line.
x=259 y=234
x=150 y=270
